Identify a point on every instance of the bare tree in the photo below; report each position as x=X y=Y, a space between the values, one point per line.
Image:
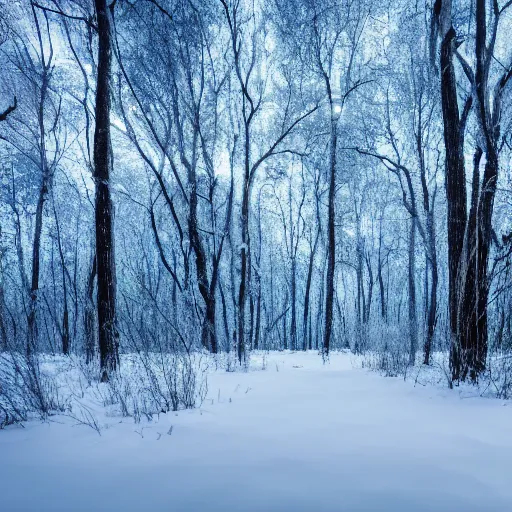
x=108 y=335
x=470 y=234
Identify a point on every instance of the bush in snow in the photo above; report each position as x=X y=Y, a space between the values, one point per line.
x=27 y=390
x=499 y=375
x=151 y=383
x=387 y=352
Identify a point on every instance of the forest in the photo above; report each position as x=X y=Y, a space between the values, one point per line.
x=188 y=184
x=289 y=175
x=292 y=174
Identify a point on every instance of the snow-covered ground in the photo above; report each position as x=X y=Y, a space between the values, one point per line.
x=297 y=436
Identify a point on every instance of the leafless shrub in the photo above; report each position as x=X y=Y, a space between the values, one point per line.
x=151 y=383
x=84 y=416
x=26 y=390
x=499 y=376
x=387 y=352
x=89 y=371
x=230 y=361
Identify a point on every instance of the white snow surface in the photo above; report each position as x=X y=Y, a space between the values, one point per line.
x=297 y=436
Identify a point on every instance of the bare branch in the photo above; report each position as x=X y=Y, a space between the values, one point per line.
x=88 y=21
x=10 y=108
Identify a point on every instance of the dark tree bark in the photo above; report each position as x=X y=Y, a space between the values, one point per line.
x=293 y=291
x=368 y=306
x=34 y=283
x=65 y=335
x=331 y=240
x=89 y=319
x=208 y=334
x=3 y=330
x=413 y=321
x=455 y=188
x=295 y=236
x=360 y=297
x=46 y=180
x=307 y=293
x=320 y=311
x=257 y=333
x=225 y=317
x=429 y=238
x=251 y=300
x=257 y=329
x=473 y=328
x=380 y=278
x=468 y=279
x=108 y=335
x=431 y=310
x=244 y=251
x=469 y=238
x=210 y=337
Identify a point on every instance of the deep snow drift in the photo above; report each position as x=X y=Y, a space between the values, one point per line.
x=296 y=436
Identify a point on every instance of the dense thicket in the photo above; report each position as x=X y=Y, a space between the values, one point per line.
x=283 y=174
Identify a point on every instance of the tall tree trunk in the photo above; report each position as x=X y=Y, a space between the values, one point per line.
x=380 y=278
x=257 y=330
x=285 y=322
x=429 y=240
x=308 y=292
x=225 y=317
x=473 y=328
x=469 y=239
x=108 y=335
x=89 y=314
x=208 y=333
x=331 y=240
x=320 y=309
x=370 y=289
x=360 y=298
x=243 y=275
x=293 y=323
x=65 y=336
x=3 y=329
x=244 y=250
x=432 y=301
x=251 y=301
x=43 y=191
x=34 y=284
x=455 y=182
x=310 y=337
x=413 y=320
x=468 y=308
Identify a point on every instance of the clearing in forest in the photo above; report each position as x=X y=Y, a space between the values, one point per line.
x=298 y=435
